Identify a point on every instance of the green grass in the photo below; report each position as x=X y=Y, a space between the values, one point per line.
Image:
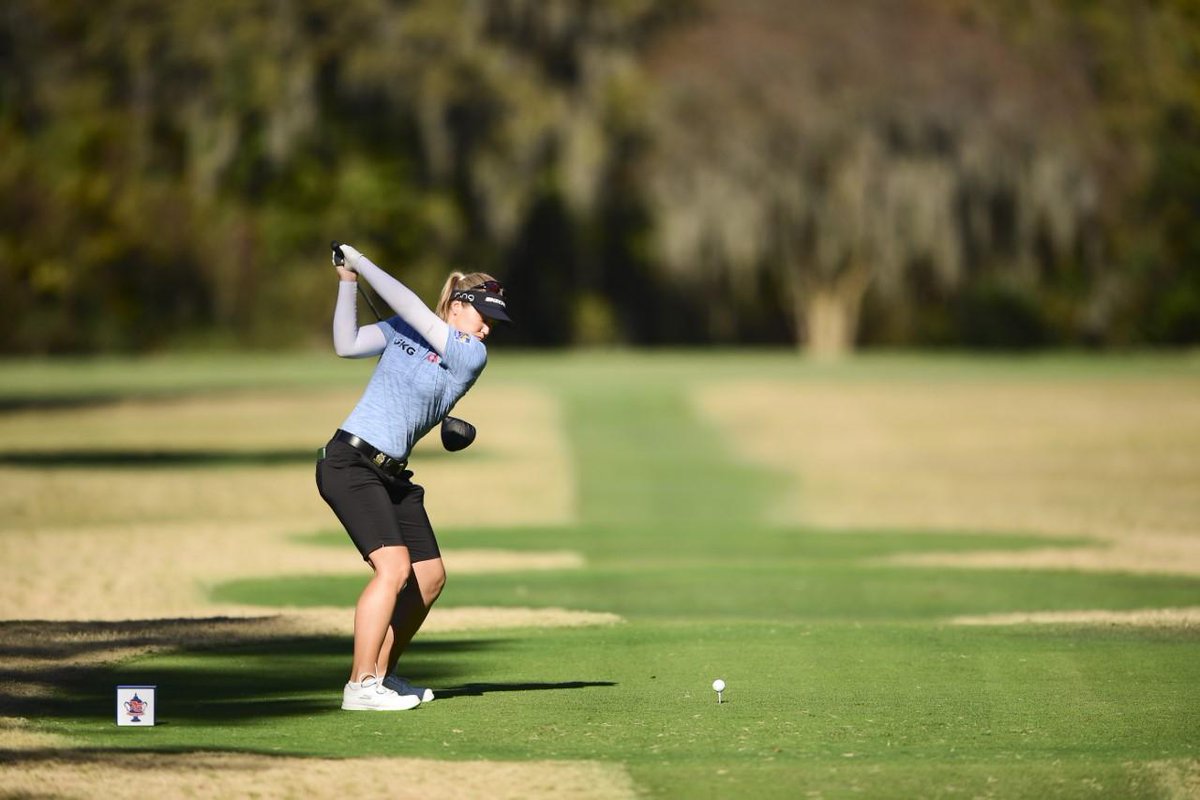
x=779 y=590
x=845 y=679
x=809 y=706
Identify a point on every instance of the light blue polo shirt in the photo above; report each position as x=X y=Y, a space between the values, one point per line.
x=413 y=388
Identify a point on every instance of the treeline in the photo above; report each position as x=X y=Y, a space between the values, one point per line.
x=986 y=173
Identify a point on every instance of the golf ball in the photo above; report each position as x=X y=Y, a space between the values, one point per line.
x=718 y=685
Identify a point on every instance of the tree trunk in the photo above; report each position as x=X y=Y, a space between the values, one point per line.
x=830 y=312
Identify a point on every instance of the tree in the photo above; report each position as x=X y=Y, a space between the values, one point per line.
x=178 y=166
x=809 y=153
x=519 y=109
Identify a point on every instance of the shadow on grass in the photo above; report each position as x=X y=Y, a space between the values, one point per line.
x=209 y=671
x=88 y=459
x=139 y=458
x=480 y=689
x=56 y=402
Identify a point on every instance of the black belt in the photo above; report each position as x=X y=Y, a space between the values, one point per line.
x=387 y=464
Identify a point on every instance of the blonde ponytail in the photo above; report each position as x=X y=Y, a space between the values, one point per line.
x=456 y=281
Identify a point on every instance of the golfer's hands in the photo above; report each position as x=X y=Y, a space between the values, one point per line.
x=344 y=257
x=351 y=256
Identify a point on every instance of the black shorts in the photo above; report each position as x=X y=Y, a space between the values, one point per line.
x=376 y=509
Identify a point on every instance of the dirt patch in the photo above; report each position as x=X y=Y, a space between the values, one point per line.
x=1148 y=618
x=1113 y=460
x=219 y=775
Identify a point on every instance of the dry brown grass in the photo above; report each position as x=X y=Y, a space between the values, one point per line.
x=1146 y=554
x=17 y=734
x=1113 y=460
x=119 y=572
x=61 y=498
x=522 y=471
x=1179 y=778
x=134 y=542
x=478 y=560
x=242 y=422
x=65 y=774
x=519 y=467
x=146 y=544
x=469 y=618
x=1143 y=618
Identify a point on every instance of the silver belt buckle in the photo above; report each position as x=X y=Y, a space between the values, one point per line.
x=380 y=459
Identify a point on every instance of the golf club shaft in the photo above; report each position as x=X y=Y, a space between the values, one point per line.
x=339 y=259
x=367 y=297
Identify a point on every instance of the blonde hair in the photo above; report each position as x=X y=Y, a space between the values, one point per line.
x=456 y=281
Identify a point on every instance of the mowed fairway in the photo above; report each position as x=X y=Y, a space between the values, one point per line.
x=919 y=577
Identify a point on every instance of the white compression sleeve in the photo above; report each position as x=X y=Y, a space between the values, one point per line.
x=405 y=303
x=349 y=340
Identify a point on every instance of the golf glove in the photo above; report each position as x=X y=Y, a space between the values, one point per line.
x=351 y=255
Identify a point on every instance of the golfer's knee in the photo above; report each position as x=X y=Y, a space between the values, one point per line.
x=431 y=587
x=392 y=567
x=394 y=576
x=394 y=580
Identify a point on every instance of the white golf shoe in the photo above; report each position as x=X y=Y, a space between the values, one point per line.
x=371 y=695
x=404 y=687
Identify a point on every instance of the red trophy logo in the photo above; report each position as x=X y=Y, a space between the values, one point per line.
x=135 y=707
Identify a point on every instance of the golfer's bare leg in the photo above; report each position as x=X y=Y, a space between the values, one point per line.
x=412 y=607
x=373 y=613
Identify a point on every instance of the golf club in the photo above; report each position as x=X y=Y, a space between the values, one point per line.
x=339 y=259
x=457 y=434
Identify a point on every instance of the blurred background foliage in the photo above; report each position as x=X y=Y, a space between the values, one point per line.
x=983 y=173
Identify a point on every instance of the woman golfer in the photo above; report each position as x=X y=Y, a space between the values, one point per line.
x=427 y=362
